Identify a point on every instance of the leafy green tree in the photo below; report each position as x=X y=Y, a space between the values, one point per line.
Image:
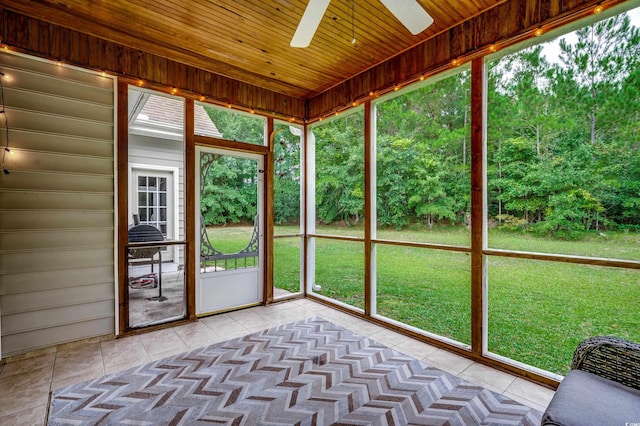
x=286 y=176
x=340 y=169
x=228 y=189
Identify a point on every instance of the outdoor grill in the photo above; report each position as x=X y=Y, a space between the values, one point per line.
x=142 y=233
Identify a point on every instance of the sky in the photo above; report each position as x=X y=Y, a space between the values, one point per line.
x=552 y=48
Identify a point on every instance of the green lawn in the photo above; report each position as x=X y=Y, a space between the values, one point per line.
x=538 y=311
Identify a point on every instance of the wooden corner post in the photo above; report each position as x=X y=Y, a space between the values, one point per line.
x=478 y=205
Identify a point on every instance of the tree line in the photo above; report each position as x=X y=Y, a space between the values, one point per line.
x=563 y=136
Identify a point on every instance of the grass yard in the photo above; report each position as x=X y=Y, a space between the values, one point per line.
x=538 y=311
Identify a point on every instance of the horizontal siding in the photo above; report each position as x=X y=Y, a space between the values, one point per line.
x=34 y=281
x=55 y=200
x=53 y=335
x=50 y=181
x=55 y=316
x=59 y=75
x=26 y=302
x=51 y=104
x=56 y=206
x=39 y=82
x=54 y=219
x=54 y=162
x=58 y=123
x=62 y=144
x=56 y=238
x=48 y=260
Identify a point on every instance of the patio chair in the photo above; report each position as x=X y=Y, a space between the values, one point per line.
x=602 y=388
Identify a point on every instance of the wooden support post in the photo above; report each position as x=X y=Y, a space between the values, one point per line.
x=123 y=205
x=478 y=205
x=191 y=224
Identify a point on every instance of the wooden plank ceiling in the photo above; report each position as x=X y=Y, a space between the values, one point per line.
x=249 y=40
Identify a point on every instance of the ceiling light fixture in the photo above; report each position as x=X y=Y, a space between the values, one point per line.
x=598 y=9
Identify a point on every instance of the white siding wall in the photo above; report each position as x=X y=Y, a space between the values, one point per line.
x=56 y=206
x=160 y=153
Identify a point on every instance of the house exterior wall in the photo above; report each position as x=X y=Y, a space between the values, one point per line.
x=161 y=154
x=56 y=206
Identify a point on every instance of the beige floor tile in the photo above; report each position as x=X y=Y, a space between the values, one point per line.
x=126 y=364
x=162 y=341
x=447 y=361
x=23 y=391
x=525 y=401
x=415 y=348
x=219 y=319
x=537 y=394
x=482 y=375
x=310 y=305
x=30 y=417
x=389 y=338
x=244 y=315
x=31 y=354
x=256 y=321
x=34 y=378
x=88 y=373
x=231 y=333
x=72 y=360
x=195 y=335
x=123 y=353
x=339 y=318
x=28 y=365
x=224 y=328
x=281 y=316
x=172 y=352
x=71 y=346
x=364 y=328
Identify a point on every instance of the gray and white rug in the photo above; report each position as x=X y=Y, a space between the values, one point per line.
x=310 y=372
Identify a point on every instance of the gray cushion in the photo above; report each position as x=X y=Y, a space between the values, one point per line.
x=584 y=399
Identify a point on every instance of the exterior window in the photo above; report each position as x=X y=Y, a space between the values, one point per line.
x=152 y=202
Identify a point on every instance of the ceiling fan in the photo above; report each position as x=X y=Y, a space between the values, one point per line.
x=409 y=12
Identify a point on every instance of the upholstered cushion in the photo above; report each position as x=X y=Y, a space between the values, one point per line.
x=584 y=399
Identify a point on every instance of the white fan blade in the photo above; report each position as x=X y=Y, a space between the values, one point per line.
x=410 y=13
x=309 y=23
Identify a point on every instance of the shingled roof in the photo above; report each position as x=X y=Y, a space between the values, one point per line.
x=162 y=116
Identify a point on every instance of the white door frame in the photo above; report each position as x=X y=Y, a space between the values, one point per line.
x=230 y=285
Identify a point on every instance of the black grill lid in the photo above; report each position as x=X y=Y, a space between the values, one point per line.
x=144 y=233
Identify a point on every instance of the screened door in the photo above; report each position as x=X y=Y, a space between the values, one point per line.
x=230 y=267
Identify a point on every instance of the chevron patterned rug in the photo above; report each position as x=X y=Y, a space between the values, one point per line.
x=310 y=372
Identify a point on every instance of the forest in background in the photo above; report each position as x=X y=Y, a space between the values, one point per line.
x=562 y=148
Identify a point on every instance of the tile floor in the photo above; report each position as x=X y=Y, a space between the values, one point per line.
x=27 y=380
